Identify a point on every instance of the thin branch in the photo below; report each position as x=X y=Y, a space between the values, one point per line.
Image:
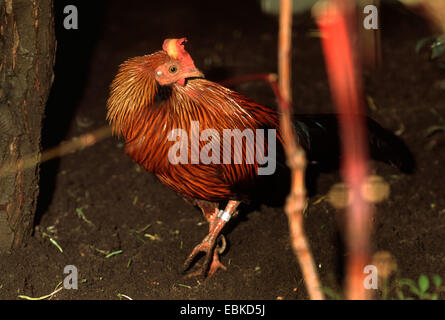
x=296 y=160
x=83 y=141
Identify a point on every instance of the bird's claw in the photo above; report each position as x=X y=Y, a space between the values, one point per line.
x=211 y=262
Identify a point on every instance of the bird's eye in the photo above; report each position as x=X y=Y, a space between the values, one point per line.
x=172 y=69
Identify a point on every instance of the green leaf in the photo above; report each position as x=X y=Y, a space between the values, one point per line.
x=416 y=291
x=411 y=285
x=422 y=42
x=437 y=280
x=438 y=46
x=424 y=283
x=434 y=296
x=437 y=51
x=113 y=254
x=407 y=282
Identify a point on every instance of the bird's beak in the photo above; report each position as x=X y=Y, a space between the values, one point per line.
x=194 y=73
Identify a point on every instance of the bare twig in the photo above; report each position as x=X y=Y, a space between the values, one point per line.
x=296 y=201
x=83 y=141
x=347 y=94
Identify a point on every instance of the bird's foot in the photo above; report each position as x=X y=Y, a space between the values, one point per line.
x=211 y=261
x=214 y=266
x=217 y=220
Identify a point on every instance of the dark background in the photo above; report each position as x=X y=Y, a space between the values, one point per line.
x=226 y=39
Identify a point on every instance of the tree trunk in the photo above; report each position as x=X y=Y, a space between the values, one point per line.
x=27 y=54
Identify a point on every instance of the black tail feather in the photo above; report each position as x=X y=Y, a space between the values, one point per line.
x=320 y=135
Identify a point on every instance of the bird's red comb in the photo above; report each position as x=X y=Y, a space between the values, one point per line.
x=175 y=48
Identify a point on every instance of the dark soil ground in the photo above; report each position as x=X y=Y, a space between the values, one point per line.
x=226 y=39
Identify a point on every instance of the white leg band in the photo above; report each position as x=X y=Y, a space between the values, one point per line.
x=224 y=215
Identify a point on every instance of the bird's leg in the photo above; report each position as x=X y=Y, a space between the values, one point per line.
x=211 y=215
x=217 y=220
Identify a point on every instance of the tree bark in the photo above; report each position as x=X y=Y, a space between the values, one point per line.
x=27 y=54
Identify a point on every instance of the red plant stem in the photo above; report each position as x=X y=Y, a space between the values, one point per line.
x=347 y=95
x=270 y=78
x=246 y=78
x=295 y=155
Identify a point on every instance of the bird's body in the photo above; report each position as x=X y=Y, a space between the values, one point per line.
x=156 y=94
x=212 y=106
